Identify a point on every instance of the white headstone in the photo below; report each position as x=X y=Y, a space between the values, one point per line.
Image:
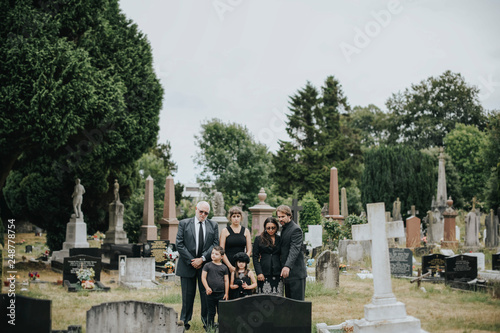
x=481 y=266
x=138 y=272
x=315 y=236
x=447 y=252
x=354 y=253
x=457 y=233
x=384 y=313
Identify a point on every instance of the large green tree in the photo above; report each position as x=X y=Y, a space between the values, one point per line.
x=491 y=157
x=399 y=171
x=372 y=123
x=79 y=98
x=464 y=145
x=320 y=139
x=423 y=114
x=232 y=161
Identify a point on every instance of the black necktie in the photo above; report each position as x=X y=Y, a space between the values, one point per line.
x=200 y=241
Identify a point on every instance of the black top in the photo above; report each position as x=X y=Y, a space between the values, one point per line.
x=215 y=276
x=235 y=243
x=266 y=259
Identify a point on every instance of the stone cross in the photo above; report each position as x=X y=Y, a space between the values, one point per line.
x=384 y=305
x=295 y=210
x=413 y=211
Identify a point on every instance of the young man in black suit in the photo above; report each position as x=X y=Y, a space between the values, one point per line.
x=195 y=240
x=294 y=270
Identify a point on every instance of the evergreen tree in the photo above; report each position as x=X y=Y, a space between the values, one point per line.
x=320 y=139
x=311 y=212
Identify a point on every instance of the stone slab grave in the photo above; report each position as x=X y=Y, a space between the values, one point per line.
x=327 y=269
x=481 y=263
x=72 y=264
x=132 y=317
x=137 y=273
x=264 y=313
x=401 y=261
x=111 y=252
x=436 y=263
x=495 y=262
x=88 y=251
x=314 y=237
x=461 y=273
x=21 y=314
x=384 y=313
x=346 y=252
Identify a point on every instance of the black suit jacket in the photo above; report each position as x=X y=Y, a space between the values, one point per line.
x=186 y=245
x=292 y=255
x=266 y=259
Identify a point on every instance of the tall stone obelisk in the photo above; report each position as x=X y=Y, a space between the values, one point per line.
x=333 y=209
x=148 y=227
x=441 y=195
x=169 y=222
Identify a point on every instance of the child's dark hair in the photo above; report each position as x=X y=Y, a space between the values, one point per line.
x=219 y=249
x=242 y=257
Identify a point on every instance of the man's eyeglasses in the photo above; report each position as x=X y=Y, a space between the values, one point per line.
x=203 y=212
x=270 y=228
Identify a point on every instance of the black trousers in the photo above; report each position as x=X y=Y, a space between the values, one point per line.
x=295 y=289
x=188 y=286
x=213 y=306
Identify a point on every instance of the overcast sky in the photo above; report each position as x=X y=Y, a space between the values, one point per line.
x=239 y=60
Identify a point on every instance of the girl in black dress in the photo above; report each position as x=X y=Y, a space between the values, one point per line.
x=242 y=280
x=266 y=259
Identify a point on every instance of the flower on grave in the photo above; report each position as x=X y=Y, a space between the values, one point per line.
x=343 y=267
x=169 y=265
x=170 y=255
x=34 y=276
x=84 y=274
x=88 y=284
x=46 y=254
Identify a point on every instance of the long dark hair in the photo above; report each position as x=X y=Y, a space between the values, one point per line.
x=265 y=238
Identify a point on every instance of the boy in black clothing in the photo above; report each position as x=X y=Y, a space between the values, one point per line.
x=215 y=278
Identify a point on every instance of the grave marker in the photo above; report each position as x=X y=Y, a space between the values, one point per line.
x=401 y=261
x=495 y=262
x=435 y=263
x=264 y=313
x=327 y=269
x=30 y=314
x=157 y=250
x=72 y=264
x=461 y=268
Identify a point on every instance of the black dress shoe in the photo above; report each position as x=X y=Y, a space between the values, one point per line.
x=187 y=327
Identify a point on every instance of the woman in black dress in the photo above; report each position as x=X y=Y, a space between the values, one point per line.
x=234 y=239
x=266 y=259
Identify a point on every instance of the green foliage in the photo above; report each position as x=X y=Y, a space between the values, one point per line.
x=320 y=139
x=464 y=145
x=372 y=123
x=424 y=114
x=311 y=211
x=336 y=231
x=79 y=98
x=232 y=160
x=399 y=171
x=491 y=157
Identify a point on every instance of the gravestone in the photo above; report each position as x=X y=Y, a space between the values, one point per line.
x=25 y=314
x=344 y=210
x=481 y=264
x=447 y=252
x=115 y=233
x=461 y=268
x=72 y=264
x=435 y=227
x=265 y=313
x=149 y=231
x=169 y=222
x=137 y=272
x=219 y=211
x=132 y=317
x=491 y=221
x=495 y=262
x=435 y=263
x=111 y=252
x=457 y=233
x=355 y=253
x=384 y=313
x=396 y=211
x=28 y=249
x=156 y=249
x=472 y=224
x=413 y=232
x=296 y=211
x=89 y=251
x=344 y=243
x=401 y=261
x=314 y=236
x=327 y=269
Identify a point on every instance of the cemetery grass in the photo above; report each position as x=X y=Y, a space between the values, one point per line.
x=440 y=309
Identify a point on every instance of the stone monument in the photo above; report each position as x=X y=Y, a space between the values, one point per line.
x=260 y=212
x=333 y=207
x=219 y=211
x=440 y=201
x=491 y=222
x=384 y=313
x=396 y=211
x=148 y=227
x=450 y=240
x=169 y=222
x=344 y=211
x=472 y=223
x=115 y=233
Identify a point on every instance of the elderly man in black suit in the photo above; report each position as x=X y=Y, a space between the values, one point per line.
x=195 y=240
x=294 y=270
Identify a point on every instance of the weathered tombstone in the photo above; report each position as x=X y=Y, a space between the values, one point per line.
x=115 y=233
x=435 y=263
x=491 y=222
x=385 y=313
x=314 y=236
x=457 y=233
x=472 y=223
x=327 y=269
x=132 y=317
x=495 y=262
x=355 y=253
x=435 y=227
x=461 y=268
x=413 y=232
x=28 y=248
x=265 y=313
x=401 y=261
x=396 y=211
x=26 y=314
x=138 y=273
x=219 y=211
x=344 y=253
x=481 y=265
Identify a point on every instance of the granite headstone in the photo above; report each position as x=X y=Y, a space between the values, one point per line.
x=461 y=268
x=434 y=262
x=401 y=261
